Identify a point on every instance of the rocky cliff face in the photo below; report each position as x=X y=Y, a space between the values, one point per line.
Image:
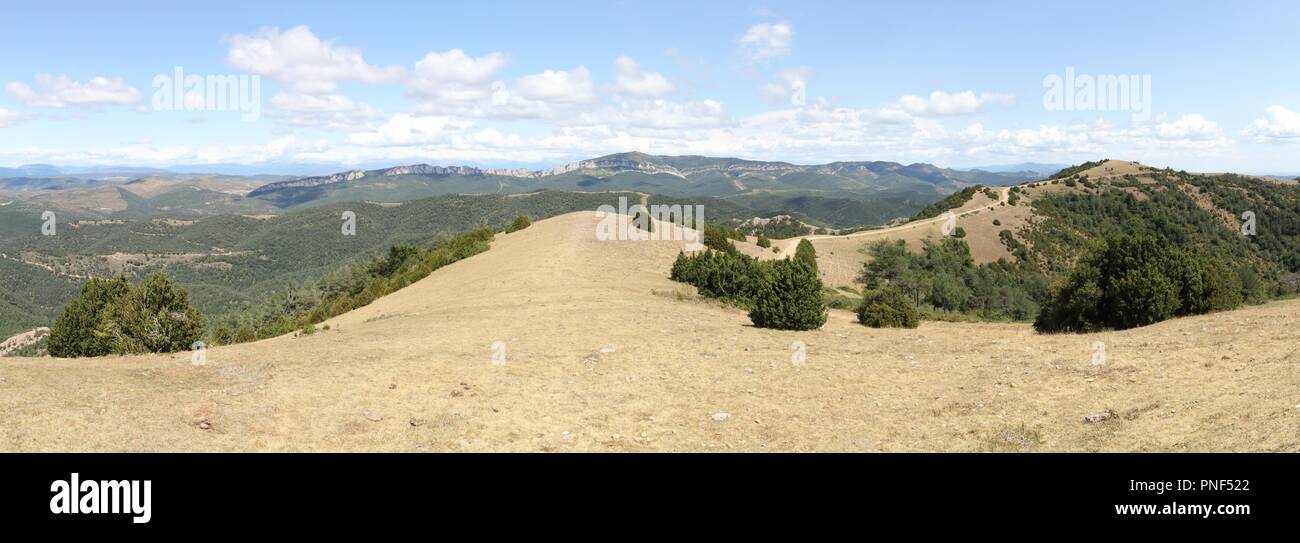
x=309 y=182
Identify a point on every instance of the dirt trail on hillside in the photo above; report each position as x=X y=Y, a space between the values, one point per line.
x=602 y=352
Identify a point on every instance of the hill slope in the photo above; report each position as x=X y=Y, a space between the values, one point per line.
x=1055 y=218
x=604 y=352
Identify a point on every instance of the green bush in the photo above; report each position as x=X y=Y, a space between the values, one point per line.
x=788 y=296
x=521 y=222
x=390 y=264
x=1129 y=281
x=717 y=238
x=111 y=316
x=764 y=242
x=806 y=253
x=727 y=276
x=76 y=331
x=887 y=308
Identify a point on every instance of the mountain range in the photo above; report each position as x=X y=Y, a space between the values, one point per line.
x=838 y=194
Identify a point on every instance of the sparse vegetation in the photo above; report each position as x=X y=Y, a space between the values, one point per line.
x=521 y=222
x=778 y=228
x=353 y=286
x=952 y=201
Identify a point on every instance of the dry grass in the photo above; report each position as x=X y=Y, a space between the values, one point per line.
x=602 y=355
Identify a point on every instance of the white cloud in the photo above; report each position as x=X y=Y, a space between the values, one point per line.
x=558 y=86
x=406 y=129
x=453 y=76
x=1190 y=127
x=633 y=81
x=784 y=85
x=299 y=59
x=51 y=91
x=11 y=117
x=943 y=103
x=1279 y=124
x=767 y=40
x=329 y=111
x=1191 y=133
x=310 y=70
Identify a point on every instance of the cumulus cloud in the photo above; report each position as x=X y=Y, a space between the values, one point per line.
x=453 y=76
x=302 y=61
x=943 y=103
x=766 y=41
x=1191 y=127
x=406 y=129
x=60 y=91
x=558 y=86
x=310 y=69
x=1278 y=124
x=633 y=81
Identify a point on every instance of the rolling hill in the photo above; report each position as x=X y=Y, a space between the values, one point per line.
x=600 y=351
x=1053 y=220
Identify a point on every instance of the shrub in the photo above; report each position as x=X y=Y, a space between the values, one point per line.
x=887 y=308
x=75 y=331
x=390 y=264
x=997 y=222
x=308 y=330
x=764 y=242
x=521 y=222
x=1126 y=282
x=788 y=296
x=111 y=316
x=716 y=238
x=959 y=232
x=727 y=276
x=806 y=253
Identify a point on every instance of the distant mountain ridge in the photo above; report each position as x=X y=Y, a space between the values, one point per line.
x=683 y=167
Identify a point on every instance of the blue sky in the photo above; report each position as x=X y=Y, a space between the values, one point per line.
x=538 y=84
